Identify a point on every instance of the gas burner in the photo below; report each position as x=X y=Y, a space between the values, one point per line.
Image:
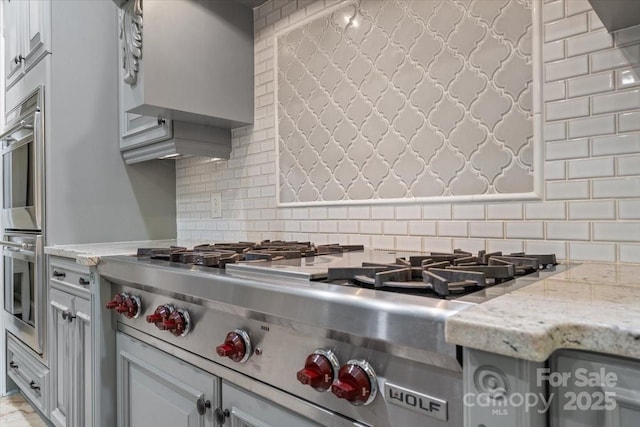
x=443 y=274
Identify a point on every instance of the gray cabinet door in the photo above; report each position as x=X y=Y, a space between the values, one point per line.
x=597 y=391
x=248 y=410
x=36 y=25
x=13 y=39
x=62 y=347
x=83 y=390
x=156 y=389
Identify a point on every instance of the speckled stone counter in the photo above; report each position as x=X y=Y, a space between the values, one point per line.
x=90 y=254
x=594 y=307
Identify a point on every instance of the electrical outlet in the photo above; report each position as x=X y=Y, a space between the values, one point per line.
x=216 y=205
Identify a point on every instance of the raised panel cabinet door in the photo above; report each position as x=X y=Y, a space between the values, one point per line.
x=137 y=130
x=248 y=410
x=83 y=384
x=156 y=389
x=13 y=39
x=63 y=350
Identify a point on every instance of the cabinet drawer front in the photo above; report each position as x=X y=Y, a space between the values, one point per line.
x=28 y=373
x=69 y=277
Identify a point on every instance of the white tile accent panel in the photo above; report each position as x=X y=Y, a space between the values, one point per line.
x=574 y=67
x=628 y=77
x=452 y=228
x=629 y=122
x=618 y=187
x=628 y=165
x=616 y=231
x=588 y=43
x=600 y=125
x=570 y=230
x=589 y=85
x=616 y=145
x=616 y=101
x=574 y=149
x=546 y=210
x=615 y=58
x=592 y=210
x=591 y=168
x=525 y=230
x=555 y=131
x=422 y=228
x=567 y=190
x=554 y=91
x=565 y=28
x=504 y=211
x=468 y=211
x=629 y=252
x=605 y=252
x=553 y=51
x=567 y=109
x=487 y=229
x=545 y=247
x=629 y=209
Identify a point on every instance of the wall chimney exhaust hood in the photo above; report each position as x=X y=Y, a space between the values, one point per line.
x=186 y=77
x=617 y=14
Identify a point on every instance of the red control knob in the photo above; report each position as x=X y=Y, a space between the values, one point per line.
x=130 y=306
x=178 y=323
x=356 y=383
x=162 y=312
x=236 y=346
x=320 y=369
x=115 y=302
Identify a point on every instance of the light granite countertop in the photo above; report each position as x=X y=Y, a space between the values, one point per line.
x=593 y=307
x=90 y=253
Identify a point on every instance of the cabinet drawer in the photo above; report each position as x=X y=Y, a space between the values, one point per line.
x=28 y=373
x=69 y=274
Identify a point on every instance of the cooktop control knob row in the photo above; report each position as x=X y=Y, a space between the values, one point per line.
x=357 y=383
x=178 y=323
x=236 y=346
x=320 y=369
x=126 y=304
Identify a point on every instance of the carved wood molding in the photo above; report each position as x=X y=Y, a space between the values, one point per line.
x=131 y=39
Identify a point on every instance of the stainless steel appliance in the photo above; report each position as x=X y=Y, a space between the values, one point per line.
x=23 y=165
x=24 y=293
x=284 y=321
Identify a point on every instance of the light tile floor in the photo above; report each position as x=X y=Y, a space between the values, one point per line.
x=15 y=411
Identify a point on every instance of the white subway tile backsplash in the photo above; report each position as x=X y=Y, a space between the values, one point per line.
x=438 y=245
x=591 y=168
x=577 y=6
x=605 y=252
x=629 y=252
x=628 y=165
x=567 y=190
x=565 y=28
x=409 y=243
x=422 y=228
x=545 y=247
x=359 y=212
x=616 y=145
x=567 y=109
x=555 y=131
x=629 y=209
x=629 y=122
x=618 y=101
x=395 y=227
x=592 y=42
x=300 y=213
x=574 y=67
x=487 y=229
x=382 y=242
x=628 y=77
x=615 y=58
x=505 y=246
x=468 y=212
x=570 y=230
x=553 y=11
x=452 y=228
x=371 y=227
x=616 y=231
x=594 y=21
x=628 y=35
x=318 y=213
x=504 y=211
x=554 y=91
x=382 y=212
x=599 y=125
x=553 y=51
x=349 y=227
x=525 y=230
x=470 y=245
x=573 y=149
x=554 y=170
x=589 y=85
x=309 y=226
x=408 y=212
x=436 y=211
x=617 y=187
x=335 y=212
x=329 y=226
x=592 y=210
x=546 y=210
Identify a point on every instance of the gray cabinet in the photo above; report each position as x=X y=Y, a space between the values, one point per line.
x=598 y=391
x=157 y=389
x=26 y=27
x=28 y=373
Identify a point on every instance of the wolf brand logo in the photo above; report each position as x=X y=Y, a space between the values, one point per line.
x=415 y=401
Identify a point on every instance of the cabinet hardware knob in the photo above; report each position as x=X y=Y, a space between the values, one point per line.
x=82 y=281
x=220 y=415
x=66 y=315
x=34 y=386
x=13 y=365
x=59 y=274
x=202 y=405
x=161 y=120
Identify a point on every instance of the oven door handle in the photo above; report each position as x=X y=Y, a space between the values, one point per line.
x=22 y=124
x=26 y=246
